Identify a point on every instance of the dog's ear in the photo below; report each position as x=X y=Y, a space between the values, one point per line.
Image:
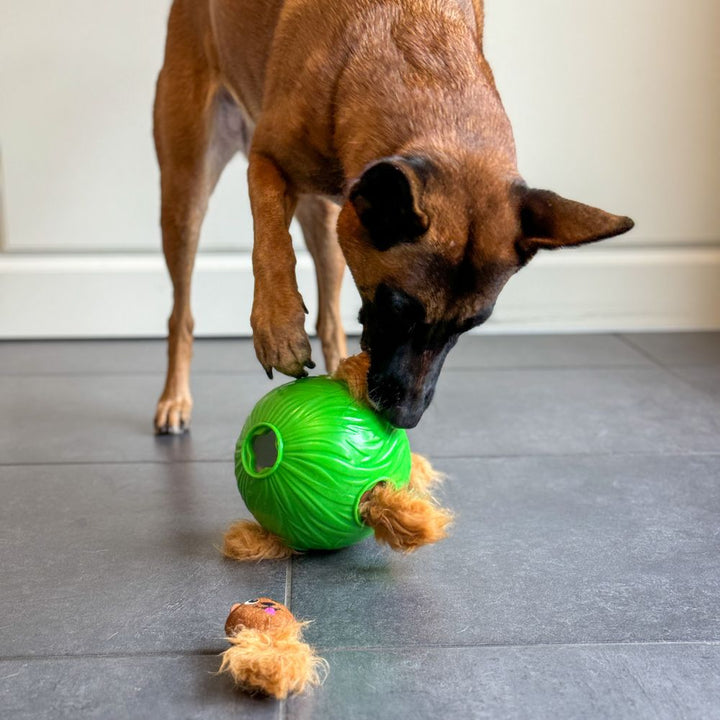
x=386 y=200
x=550 y=221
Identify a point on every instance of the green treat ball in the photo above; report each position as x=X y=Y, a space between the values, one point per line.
x=305 y=457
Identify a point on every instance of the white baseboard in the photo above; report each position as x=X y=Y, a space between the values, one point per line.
x=586 y=290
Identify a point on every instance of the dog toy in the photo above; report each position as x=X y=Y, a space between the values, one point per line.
x=267 y=654
x=320 y=470
x=306 y=456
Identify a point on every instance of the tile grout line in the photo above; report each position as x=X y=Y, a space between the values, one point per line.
x=607 y=454
x=640 y=351
x=244 y=373
x=521 y=646
x=670 y=368
x=490 y=456
x=287 y=601
x=155 y=375
x=374 y=648
x=674 y=370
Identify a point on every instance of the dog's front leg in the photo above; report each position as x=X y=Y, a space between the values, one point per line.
x=278 y=314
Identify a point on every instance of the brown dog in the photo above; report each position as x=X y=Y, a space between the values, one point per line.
x=384 y=113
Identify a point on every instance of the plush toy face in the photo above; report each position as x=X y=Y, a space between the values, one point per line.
x=261 y=614
x=267 y=653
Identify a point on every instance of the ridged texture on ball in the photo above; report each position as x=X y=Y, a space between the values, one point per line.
x=331 y=450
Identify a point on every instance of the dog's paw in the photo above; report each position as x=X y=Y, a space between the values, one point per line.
x=277 y=349
x=172 y=416
x=280 y=340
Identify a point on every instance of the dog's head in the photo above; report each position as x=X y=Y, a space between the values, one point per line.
x=430 y=245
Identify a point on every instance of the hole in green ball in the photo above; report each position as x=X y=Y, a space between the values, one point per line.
x=265 y=450
x=262 y=450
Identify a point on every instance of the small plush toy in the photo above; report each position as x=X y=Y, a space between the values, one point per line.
x=320 y=470
x=267 y=654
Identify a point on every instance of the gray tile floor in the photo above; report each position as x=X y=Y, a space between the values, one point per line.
x=581 y=579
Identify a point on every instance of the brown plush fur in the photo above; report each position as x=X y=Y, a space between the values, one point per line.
x=403 y=518
x=353 y=371
x=423 y=476
x=247 y=541
x=273 y=663
x=271 y=659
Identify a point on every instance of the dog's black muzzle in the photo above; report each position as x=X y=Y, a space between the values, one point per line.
x=401 y=393
x=406 y=355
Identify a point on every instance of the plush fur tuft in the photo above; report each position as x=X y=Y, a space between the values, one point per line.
x=353 y=370
x=403 y=518
x=276 y=663
x=248 y=541
x=423 y=476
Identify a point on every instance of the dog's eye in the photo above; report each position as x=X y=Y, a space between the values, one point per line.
x=398 y=305
x=251 y=602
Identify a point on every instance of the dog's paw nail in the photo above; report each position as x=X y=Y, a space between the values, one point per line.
x=169 y=429
x=269 y=372
x=310 y=364
x=307 y=312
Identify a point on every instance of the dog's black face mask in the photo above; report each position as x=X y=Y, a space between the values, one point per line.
x=406 y=354
x=413 y=232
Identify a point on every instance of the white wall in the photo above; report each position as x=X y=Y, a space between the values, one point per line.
x=77 y=80
x=613 y=103
x=617 y=103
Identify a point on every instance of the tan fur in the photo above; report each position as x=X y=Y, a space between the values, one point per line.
x=353 y=371
x=403 y=518
x=273 y=663
x=248 y=541
x=314 y=92
x=423 y=476
x=272 y=659
x=318 y=219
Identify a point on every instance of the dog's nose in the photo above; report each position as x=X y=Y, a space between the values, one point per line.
x=398 y=405
x=398 y=401
x=403 y=417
